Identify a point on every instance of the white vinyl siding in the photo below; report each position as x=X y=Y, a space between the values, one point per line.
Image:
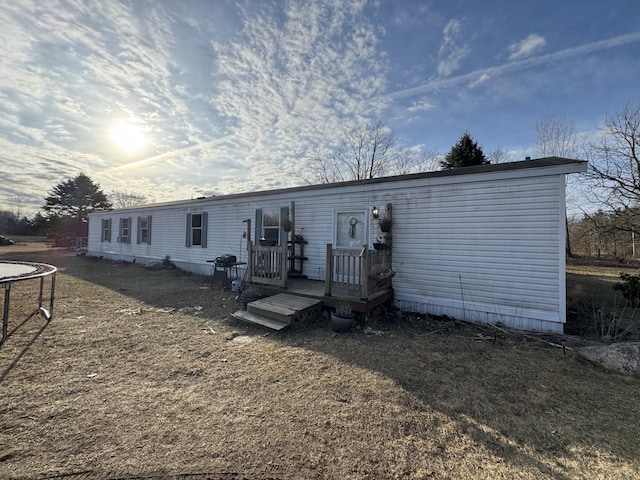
x=491 y=253
x=481 y=247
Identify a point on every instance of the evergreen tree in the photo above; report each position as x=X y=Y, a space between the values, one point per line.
x=465 y=153
x=68 y=206
x=76 y=198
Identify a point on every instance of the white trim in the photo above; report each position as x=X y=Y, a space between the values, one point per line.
x=562 y=247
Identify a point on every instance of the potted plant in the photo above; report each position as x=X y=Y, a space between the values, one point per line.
x=385 y=224
x=248 y=295
x=379 y=244
x=342 y=318
x=286 y=225
x=267 y=243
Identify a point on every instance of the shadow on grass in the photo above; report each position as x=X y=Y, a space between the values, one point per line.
x=26 y=348
x=512 y=397
x=525 y=404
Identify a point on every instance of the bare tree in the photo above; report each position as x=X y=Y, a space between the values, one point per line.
x=498 y=155
x=124 y=199
x=16 y=203
x=410 y=160
x=556 y=137
x=615 y=166
x=366 y=151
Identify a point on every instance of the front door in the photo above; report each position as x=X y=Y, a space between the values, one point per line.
x=351 y=232
x=351 y=229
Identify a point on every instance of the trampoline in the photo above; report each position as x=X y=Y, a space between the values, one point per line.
x=11 y=272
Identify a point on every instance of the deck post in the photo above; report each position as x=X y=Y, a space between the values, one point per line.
x=249 y=260
x=364 y=273
x=283 y=266
x=329 y=271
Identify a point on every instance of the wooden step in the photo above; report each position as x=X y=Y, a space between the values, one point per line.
x=260 y=320
x=285 y=308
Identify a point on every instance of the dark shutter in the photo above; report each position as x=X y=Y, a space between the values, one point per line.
x=205 y=218
x=258 y=229
x=149 y=230
x=284 y=214
x=188 y=241
x=138 y=233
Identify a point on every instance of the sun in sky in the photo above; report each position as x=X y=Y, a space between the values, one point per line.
x=128 y=136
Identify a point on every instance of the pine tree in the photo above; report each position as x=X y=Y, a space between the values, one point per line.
x=465 y=153
x=68 y=205
x=75 y=198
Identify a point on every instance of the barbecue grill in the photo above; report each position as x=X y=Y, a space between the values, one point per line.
x=225 y=261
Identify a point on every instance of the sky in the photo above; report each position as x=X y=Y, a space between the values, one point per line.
x=180 y=99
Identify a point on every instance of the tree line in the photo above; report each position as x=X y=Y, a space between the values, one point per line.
x=66 y=210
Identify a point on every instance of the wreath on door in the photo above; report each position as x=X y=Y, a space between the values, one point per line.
x=352 y=227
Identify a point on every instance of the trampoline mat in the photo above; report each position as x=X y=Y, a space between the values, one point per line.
x=16 y=270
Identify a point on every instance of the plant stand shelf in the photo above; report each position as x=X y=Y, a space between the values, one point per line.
x=296 y=258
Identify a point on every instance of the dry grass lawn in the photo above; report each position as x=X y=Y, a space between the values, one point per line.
x=144 y=374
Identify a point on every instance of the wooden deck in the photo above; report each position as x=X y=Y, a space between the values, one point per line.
x=280 y=311
x=359 y=276
x=315 y=289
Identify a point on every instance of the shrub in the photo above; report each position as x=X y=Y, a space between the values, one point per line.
x=630 y=287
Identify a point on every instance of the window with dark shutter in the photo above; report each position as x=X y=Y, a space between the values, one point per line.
x=106 y=230
x=197 y=230
x=144 y=230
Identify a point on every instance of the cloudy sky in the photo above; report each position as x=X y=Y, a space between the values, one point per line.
x=178 y=99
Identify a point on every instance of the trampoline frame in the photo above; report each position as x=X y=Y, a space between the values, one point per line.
x=41 y=270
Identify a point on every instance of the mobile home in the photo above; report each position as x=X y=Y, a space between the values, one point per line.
x=484 y=244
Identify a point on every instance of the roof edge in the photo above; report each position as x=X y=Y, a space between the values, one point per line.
x=546 y=162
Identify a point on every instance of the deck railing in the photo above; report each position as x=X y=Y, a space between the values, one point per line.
x=348 y=271
x=267 y=265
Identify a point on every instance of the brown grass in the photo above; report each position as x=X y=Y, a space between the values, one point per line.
x=143 y=374
x=593 y=305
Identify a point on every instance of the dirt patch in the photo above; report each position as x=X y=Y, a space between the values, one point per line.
x=144 y=374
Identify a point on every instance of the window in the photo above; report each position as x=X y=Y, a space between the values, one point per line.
x=125 y=230
x=197 y=230
x=269 y=225
x=144 y=230
x=106 y=230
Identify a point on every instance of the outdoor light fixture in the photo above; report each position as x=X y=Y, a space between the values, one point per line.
x=375 y=212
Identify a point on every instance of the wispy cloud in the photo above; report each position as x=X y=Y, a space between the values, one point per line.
x=236 y=109
x=480 y=80
x=293 y=82
x=420 y=106
x=527 y=47
x=452 y=49
x=474 y=77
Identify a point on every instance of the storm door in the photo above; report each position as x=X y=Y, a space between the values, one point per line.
x=351 y=233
